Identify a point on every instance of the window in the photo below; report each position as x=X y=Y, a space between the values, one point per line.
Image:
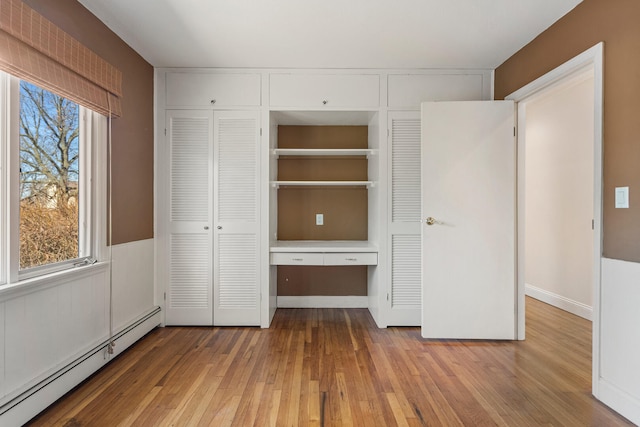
x=48 y=193
x=49 y=171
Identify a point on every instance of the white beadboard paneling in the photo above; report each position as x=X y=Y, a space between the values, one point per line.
x=47 y=326
x=237 y=157
x=405 y=169
x=189 y=168
x=237 y=275
x=406 y=272
x=133 y=288
x=619 y=385
x=3 y=380
x=189 y=272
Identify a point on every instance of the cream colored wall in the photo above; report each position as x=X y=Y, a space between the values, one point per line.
x=559 y=196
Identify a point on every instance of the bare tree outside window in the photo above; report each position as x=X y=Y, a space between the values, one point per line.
x=49 y=172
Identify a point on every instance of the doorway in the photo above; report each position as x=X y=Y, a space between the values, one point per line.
x=559 y=176
x=589 y=61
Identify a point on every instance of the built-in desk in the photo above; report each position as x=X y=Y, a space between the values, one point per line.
x=330 y=252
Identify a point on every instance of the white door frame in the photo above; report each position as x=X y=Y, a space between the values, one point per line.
x=589 y=59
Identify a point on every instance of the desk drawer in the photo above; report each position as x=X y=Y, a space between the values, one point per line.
x=351 y=258
x=296 y=258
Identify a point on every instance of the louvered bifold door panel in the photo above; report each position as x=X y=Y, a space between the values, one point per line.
x=405 y=272
x=405 y=170
x=236 y=201
x=189 y=293
x=405 y=212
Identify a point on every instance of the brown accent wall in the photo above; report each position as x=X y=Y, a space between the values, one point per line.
x=294 y=280
x=133 y=132
x=617 y=23
x=345 y=209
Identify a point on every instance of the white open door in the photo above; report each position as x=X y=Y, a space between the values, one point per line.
x=469 y=213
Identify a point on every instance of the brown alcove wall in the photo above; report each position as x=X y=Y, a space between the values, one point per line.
x=344 y=208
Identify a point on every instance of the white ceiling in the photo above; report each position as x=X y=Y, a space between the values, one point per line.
x=328 y=33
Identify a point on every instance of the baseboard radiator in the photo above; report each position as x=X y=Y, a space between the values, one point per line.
x=32 y=401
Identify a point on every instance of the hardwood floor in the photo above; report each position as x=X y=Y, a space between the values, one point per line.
x=334 y=367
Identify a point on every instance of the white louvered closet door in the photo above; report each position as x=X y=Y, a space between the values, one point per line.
x=189 y=295
x=236 y=219
x=404 y=294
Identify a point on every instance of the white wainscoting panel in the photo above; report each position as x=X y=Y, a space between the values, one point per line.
x=133 y=292
x=54 y=329
x=619 y=383
x=3 y=388
x=48 y=326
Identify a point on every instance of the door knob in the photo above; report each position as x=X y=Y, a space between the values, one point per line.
x=430 y=220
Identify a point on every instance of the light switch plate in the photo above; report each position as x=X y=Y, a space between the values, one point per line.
x=319 y=219
x=622 y=197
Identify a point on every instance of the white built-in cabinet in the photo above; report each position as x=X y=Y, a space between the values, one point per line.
x=201 y=90
x=218 y=249
x=213 y=239
x=319 y=91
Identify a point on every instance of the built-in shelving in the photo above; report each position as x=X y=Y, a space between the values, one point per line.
x=323 y=246
x=278 y=184
x=320 y=152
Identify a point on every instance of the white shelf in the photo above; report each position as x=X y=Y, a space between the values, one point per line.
x=278 y=184
x=318 y=152
x=323 y=246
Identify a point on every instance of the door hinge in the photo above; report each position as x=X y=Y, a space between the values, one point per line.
x=514 y=131
x=387 y=296
x=388 y=133
x=593 y=224
x=165 y=132
x=165 y=296
x=260 y=131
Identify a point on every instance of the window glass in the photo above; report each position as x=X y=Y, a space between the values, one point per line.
x=49 y=177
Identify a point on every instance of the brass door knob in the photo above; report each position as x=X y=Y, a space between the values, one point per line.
x=430 y=220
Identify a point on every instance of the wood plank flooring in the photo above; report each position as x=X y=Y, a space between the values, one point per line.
x=334 y=367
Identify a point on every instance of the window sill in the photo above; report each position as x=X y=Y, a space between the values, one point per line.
x=34 y=284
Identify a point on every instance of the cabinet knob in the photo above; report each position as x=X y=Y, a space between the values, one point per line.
x=213 y=101
x=324 y=102
x=219 y=227
x=206 y=227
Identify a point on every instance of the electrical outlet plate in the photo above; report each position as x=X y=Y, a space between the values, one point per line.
x=319 y=219
x=622 y=197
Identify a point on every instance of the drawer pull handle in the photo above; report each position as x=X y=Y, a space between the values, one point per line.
x=297 y=259
x=351 y=259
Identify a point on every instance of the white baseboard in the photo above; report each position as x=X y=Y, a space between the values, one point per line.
x=563 y=303
x=30 y=403
x=323 y=301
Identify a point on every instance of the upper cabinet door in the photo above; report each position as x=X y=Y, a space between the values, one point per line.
x=325 y=91
x=409 y=90
x=213 y=90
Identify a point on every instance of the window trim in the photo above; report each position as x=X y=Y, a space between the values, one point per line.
x=92 y=195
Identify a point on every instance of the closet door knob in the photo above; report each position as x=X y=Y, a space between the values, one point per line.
x=206 y=227
x=324 y=102
x=213 y=101
x=219 y=227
